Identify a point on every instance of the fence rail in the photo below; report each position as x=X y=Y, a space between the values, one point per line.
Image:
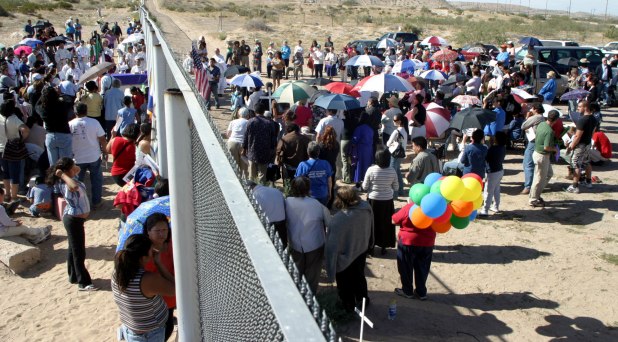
x=234 y=279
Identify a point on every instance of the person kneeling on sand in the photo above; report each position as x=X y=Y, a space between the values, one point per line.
x=10 y=227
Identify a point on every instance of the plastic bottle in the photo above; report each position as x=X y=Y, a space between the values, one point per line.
x=392 y=310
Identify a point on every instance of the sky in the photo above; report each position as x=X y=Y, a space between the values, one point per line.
x=598 y=6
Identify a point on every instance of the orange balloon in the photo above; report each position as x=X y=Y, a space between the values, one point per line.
x=441 y=227
x=420 y=220
x=462 y=208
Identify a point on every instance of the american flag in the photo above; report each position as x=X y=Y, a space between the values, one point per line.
x=201 y=74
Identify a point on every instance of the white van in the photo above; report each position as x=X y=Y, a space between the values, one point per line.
x=552 y=42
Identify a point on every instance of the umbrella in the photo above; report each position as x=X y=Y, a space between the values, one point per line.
x=434 y=41
x=466 y=100
x=568 y=61
x=418 y=64
x=293 y=91
x=41 y=24
x=454 y=79
x=386 y=43
x=576 y=94
x=55 y=41
x=437 y=121
x=530 y=41
x=337 y=101
x=95 y=71
x=135 y=220
x=31 y=42
x=472 y=117
x=235 y=70
x=386 y=83
x=444 y=56
x=433 y=75
x=365 y=61
x=134 y=38
x=341 y=88
x=23 y=49
x=477 y=49
x=317 y=95
x=246 y=81
x=549 y=108
x=521 y=95
x=320 y=81
x=406 y=66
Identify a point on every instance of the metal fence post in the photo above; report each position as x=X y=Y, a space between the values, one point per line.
x=181 y=203
x=159 y=82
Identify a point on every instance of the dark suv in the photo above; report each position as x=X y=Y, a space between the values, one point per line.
x=408 y=37
x=555 y=55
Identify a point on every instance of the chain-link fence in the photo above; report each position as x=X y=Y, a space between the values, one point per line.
x=246 y=291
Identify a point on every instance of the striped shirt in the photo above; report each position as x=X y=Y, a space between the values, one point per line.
x=138 y=312
x=380 y=183
x=77 y=201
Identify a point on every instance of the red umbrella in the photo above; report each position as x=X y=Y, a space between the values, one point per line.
x=437 y=121
x=341 y=88
x=444 y=56
x=360 y=83
x=23 y=49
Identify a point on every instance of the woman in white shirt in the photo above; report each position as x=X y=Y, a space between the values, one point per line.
x=330 y=60
x=318 y=61
x=398 y=137
x=473 y=84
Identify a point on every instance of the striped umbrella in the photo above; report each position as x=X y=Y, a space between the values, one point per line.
x=406 y=66
x=385 y=83
x=365 y=61
x=433 y=75
x=386 y=43
x=444 y=56
x=337 y=101
x=466 y=100
x=434 y=41
x=341 y=88
x=246 y=81
x=293 y=91
x=437 y=121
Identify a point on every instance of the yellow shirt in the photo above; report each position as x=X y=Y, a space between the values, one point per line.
x=94 y=101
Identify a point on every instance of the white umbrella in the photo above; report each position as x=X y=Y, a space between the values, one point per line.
x=404 y=66
x=434 y=41
x=385 y=83
x=134 y=38
x=386 y=43
x=247 y=81
x=433 y=75
x=549 y=108
x=365 y=61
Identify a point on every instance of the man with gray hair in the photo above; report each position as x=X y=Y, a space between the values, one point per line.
x=544 y=146
x=236 y=131
x=113 y=101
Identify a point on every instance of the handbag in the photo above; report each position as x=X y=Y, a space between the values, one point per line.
x=399 y=151
x=14 y=149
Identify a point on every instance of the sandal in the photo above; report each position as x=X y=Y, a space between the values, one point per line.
x=537 y=203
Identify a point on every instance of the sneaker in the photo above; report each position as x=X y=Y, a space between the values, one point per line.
x=483 y=212
x=537 y=204
x=400 y=292
x=416 y=296
x=45 y=234
x=88 y=288
x=494 y=209
x=12 y=207
x=572 y=189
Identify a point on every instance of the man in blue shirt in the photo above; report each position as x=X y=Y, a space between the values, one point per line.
x=473 y=157
x=319 y=173
x=213 y=80
x=498 y=125
x=548 y=92
x=503 y=56
x=29 y=29
x=285 y=53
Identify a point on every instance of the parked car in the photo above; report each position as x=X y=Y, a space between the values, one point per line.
x=553 y=42
x=556 y=55
x=361 y=44
x=408 y=38
x=540 y=76
x=610 y=48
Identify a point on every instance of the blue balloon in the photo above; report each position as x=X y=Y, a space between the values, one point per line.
x=431 y=178
x=433 y=205
x=473 y=215
x=412 y=208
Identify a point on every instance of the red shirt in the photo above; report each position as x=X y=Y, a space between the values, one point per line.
x=410 y=235
x=123 y=152
x=167 y=259
x=558 y=127
x=601 y=142
x=303 y=116
x=138 y=101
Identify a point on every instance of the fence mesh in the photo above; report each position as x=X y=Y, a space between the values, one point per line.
x=232 y=301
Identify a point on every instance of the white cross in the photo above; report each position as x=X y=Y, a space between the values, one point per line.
x=364 y=319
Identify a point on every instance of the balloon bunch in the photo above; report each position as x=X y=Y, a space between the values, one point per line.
x=444 y=201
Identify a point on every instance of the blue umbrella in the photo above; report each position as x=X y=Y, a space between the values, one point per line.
x=247 y=81
x=364 y=60
x=530 y=41
x=433 y=75
x=135 y=221
x=31 y=42
x=337 y=101
x=576 y=94
x=406 y=66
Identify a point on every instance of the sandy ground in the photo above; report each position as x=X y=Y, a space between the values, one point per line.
x=522 y=275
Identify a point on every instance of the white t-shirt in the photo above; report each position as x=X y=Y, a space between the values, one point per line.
x=330 y=121
x=86 y=132
x=237 y=129
x=298 y=49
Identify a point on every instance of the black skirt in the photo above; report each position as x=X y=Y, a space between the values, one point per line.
x=384 y=229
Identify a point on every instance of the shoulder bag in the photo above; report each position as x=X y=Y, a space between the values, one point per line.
x=399 y=151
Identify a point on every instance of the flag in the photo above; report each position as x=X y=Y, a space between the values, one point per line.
x=201 y=74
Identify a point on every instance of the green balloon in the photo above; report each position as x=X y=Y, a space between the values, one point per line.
x=460 y=222
x=417 y=192
x=435 y=188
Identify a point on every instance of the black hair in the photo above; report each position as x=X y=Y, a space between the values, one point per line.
x=127 y=101
x=81 y=109
x=501 y=138
x=477 y=136
x=383 y=159
x=260 y=108
x=162 y=188
x=65 y=164
x=127 y=261
x=299 y=187
x=145 y=130
x=420 y=142
x=152 y=221
x=91 y=86
x=292 y=127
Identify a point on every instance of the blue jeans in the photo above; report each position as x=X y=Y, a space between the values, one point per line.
x=96 y=179
x=396 y=164
x=13 y=170
x=155 y=335
x=528 y=165
x=413 y=264
x=59 y=145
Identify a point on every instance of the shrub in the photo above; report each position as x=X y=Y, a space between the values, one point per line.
x=3 y=12
x=350 y=3
x=365 y=18
x=412 y=28
x=257 y=25
x=458 y=11
x=222 y=35
x=611 y=33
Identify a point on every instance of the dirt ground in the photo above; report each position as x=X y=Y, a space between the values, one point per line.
x=526 y=274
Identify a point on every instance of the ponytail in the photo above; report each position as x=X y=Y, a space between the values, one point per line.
x=127 y=262
x=65 y=164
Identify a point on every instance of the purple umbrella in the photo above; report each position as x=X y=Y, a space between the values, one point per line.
x=576 y=94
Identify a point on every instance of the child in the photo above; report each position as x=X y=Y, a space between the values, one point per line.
x=40 y=196
x=473 y=157
x=126 y=115
x=10 y=227
x=64 y=175
x=495 y=171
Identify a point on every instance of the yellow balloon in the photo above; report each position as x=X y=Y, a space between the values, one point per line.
x=478 y=202
x=452 y=188
x=472 y=189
